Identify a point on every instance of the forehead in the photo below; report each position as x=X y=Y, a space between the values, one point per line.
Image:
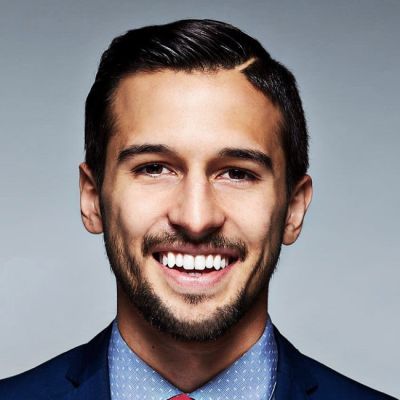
x=192 y=109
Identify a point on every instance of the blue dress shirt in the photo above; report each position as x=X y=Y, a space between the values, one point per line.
x=250 y=377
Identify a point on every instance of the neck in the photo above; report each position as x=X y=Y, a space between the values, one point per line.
x=197 y=362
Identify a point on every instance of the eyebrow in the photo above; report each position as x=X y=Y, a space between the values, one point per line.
x=229 y=152
x=247 y=154
x=135 y=150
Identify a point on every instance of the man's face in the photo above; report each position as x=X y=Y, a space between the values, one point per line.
x=195 y=179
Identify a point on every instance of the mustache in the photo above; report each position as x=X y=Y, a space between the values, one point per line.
x=210 y=241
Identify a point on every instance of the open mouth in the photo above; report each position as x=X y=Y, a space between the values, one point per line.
x=194 y=263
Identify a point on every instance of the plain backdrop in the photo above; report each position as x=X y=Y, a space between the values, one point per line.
x=336 y=292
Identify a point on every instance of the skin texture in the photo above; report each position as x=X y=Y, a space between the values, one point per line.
x=195 y=192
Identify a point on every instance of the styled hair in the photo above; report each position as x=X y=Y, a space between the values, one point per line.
x=194 y=45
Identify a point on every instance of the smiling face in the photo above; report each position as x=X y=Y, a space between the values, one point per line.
x=193 y=203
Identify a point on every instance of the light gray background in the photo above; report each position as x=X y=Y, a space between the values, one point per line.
x=336 y=293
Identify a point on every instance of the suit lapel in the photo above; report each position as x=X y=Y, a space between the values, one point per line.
x=287 y=389
x=89 y=372
x=294 y=380
x=94 y=388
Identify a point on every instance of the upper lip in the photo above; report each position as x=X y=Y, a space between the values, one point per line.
x=196 y=250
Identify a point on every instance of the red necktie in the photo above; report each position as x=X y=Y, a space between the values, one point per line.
x=181 y=397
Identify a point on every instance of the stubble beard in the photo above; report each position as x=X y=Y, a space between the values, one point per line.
x=152 y=308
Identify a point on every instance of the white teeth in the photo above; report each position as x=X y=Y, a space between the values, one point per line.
x=179 y=260
x=217 y=262
x=188 y=261
x=223 y=262
x=209 y=261
x=200 y=262
x=171 y=260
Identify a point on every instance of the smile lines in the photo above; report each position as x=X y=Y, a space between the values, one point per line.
x=190 y=262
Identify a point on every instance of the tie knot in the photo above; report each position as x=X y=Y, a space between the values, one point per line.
x=182 y=396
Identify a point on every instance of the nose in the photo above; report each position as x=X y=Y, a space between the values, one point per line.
x=195 y=210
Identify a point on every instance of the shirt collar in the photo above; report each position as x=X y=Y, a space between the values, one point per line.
x=254 y=372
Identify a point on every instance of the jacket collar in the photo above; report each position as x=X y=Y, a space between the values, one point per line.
x=89 y=371
x=294 y=380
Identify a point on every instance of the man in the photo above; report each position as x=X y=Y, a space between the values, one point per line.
x=196 y=161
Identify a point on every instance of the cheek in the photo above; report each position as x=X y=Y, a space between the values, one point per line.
x=133 y=213
x=253 y=217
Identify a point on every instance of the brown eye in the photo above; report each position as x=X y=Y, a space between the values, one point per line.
x=153 y=169
x=239 y=174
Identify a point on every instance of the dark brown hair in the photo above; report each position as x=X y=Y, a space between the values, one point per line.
x=189 y=45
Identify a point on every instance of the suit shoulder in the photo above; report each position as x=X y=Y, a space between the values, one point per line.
x=333 y=385
x=54 y=378
x=317 y=380
x=35 y=383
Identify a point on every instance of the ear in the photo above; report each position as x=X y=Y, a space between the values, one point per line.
x=90 y=200
x=299 y=201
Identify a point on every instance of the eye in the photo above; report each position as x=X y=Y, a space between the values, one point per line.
x=236 y=174
x=153 y=170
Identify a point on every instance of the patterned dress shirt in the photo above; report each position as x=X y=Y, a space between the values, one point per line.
x=251 y=377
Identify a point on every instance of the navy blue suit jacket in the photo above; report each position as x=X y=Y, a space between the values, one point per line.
x=82 y=374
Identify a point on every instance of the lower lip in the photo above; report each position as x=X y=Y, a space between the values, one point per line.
x=185 y=280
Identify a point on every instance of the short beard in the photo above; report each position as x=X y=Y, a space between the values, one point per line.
x=155 y=312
